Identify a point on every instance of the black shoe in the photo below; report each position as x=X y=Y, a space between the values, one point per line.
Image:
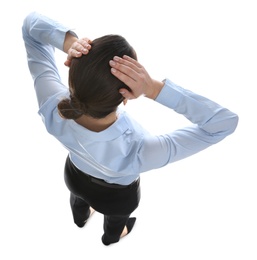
x=129 y=225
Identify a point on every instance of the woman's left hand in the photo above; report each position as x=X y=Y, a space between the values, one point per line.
x=77 y=49
x=135 y=76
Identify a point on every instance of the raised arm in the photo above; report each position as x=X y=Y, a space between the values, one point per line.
x=211 y=122
x=41 y=36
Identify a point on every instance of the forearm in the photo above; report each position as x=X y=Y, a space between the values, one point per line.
x=68 y=41
x=41 y=36
x=208 y=115
x=46 y=31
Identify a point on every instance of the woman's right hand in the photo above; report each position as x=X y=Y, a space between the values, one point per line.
x=134 y=75
x=77 y=48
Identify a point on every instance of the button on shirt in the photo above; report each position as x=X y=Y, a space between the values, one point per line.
x=124 y=150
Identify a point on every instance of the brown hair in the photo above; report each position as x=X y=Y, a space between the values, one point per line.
x=93 y=89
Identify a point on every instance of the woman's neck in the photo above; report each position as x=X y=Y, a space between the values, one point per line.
x=95 y=124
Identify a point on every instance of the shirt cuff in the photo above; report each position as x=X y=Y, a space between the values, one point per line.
x=169 y=95
x=58 y=36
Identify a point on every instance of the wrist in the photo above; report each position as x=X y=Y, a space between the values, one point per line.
x=68 y=41
x=156 y=89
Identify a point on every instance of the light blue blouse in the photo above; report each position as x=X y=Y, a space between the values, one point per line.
x=124 y=150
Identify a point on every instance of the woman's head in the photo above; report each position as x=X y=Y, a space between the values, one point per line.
x=93 y=89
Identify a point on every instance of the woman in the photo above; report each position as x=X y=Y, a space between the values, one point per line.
x=107 y=148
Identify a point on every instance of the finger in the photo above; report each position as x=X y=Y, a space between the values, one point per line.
x=131 y=63
x=126 y=94
x=73 y=53
x=81 y=46
x=135 y=62
x=67 y=63
x=127 y=68
x=85 y=43
x=123 y=75
x=87 y=40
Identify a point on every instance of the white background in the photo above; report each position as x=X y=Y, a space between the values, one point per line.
x=203 y=207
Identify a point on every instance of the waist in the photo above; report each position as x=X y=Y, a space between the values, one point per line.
x=102 y=182
x=110 y=185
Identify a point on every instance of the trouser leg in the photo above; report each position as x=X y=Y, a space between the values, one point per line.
x=80 y=210
x=113 y=227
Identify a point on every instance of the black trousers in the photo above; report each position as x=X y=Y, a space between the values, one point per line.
x=115 y=202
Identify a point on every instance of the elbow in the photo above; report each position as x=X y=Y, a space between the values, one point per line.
x=25 y=26
x=28 y=20
x=230 y=125
x=223 y=128
x=233 y=123
x=236 y=120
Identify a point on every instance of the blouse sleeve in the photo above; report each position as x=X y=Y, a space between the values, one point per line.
x=41 y=36
x=211 y=123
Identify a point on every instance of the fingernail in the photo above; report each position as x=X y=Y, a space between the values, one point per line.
x=112 y=63
x=116 y=58
x=113 y=70
x=122 y=92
